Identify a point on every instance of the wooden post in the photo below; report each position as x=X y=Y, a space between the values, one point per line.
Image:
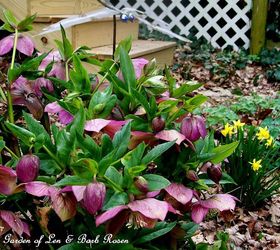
x=258 y=27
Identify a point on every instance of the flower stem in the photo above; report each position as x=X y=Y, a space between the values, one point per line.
x=67 y=70
x=11 y=152
x=53 y=157
x=9 y=97
x=14 y=49
x=104 y=78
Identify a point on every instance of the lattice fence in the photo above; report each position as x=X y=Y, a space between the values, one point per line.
x=221 y=22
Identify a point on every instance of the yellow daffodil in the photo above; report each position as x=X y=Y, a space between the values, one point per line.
x=256 y=165
x=228 y=130
x=238 y=124
x=263 y=134
x=269 y=142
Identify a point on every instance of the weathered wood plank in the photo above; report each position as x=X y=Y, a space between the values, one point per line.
x=20 y=8
x=99 y=33
x=162 y=51
x=63 y=7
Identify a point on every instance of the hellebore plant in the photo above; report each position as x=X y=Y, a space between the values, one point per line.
x=128 y=153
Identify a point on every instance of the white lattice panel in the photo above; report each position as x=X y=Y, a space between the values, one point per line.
x=221 y=22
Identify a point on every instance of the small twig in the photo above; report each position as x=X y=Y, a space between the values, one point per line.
x=114 y=35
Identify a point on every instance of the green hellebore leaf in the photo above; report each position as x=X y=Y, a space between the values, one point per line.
x=23 y=134
x=156 y=152
x=114 y=175
x=160 y=229
x=73 y=181
x=156 y=182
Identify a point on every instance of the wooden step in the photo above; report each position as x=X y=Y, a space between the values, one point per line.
x=92 y=34
x=23 y=8
x=161 y=50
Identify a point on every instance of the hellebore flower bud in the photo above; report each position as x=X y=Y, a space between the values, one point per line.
x=141 y=184
x=158 y=124
x=94 y=196
x=193 y=128
x=215 y=173
x=192 y=175
x=27 y=168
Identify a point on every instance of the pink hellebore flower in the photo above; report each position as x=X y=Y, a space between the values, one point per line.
x=193 y=128
x=91 y=196
x=40 y=83
x=24 y=45
x=8 y=221
x=23 y=94
x=109 y=127
x=220 y=202
x=28 y=168
x=64 y=116
x=63 y=200
x=8 y=180
x=138 y=64
x=137 y=214
x=180 y=193
x=152 y=139
x=58 y=69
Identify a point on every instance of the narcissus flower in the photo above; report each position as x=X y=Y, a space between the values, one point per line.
x=24 y=45
x=263 y=134
x=238 y=124
x=27 y=168
x=228 y=130
x=193 y=128
x=10 y=221
x=269 y=142
x=220 y=202
x=256 y=165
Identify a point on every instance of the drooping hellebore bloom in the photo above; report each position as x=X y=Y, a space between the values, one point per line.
x=138 y=64
x=193 y=128
x=63 y=200
x=58 y=68
x=152 y=139
x=8 y=180
x=94 y=196
x=158 y=124
x=109 y=127
x=139 y=213
x=40 y=83
x=23 y=94
x=215 y=172
x=64 y=116
x=27 y=168
x=178 y=196
x=220 y=202
x=24 y=45
x=8 y=221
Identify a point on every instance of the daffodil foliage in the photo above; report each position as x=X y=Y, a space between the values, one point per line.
x=117 y=152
